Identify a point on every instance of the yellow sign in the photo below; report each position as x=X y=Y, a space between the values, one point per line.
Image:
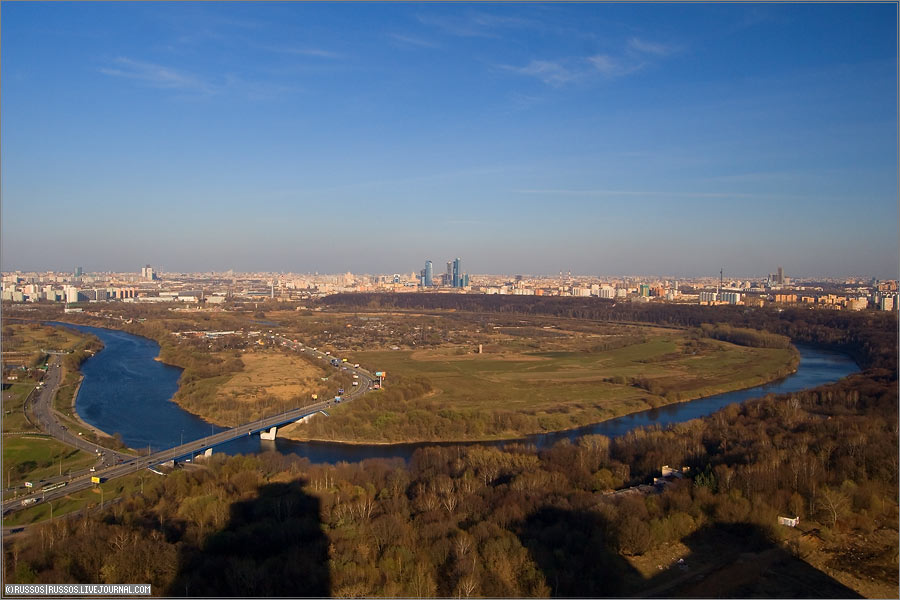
x=95 y=479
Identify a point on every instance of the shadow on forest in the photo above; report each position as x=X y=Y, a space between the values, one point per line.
x=574 y=550
x=273 y=545
x=740 y=561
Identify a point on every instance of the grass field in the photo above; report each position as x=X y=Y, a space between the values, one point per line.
x=13 y=399
x=31 y=458
x=21 y=341
x=512 y=389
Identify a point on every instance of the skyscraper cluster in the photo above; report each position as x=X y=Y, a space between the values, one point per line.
x=454 y=277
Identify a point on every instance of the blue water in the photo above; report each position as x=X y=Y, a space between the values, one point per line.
x=126 y=391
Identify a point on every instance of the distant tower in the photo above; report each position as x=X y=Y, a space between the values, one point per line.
x=429 y=274
x=272 y=293
x=721 y=279
x=147 y=273
x=456 y=280
x=449 y=272
x=780 y=279
x=77 y=272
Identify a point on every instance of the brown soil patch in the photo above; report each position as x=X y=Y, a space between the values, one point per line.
x=278 y=375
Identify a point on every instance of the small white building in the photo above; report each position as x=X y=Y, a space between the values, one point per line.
x=788 y=521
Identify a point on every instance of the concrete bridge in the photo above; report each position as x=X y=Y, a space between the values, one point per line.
x=270 y=434
x=267 y=429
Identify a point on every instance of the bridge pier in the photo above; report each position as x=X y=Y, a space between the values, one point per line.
x=268 y=435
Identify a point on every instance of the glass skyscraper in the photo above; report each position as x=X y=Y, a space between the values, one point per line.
x=456 y=280
x=429 y=274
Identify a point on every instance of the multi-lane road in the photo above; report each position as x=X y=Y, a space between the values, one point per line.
x=114 y=464
x=42 y=409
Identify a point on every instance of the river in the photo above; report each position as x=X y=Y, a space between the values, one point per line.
x=126 y=391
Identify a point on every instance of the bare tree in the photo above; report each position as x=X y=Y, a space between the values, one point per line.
x=833 y=503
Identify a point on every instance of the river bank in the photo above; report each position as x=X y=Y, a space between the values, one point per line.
x=445 y=419
x=526 y=437
x=77 y=417
x=145 y=416
x=198 y=397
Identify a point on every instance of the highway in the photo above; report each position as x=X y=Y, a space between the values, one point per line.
x=46 y=419
x=114 y=464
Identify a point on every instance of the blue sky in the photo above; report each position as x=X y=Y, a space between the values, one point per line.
x=523 y=138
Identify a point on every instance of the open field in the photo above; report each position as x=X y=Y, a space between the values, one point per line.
x=268 y=381
x=20 y=341
x=525 y=383
x=265 y=374
x=32 y=458
x=14 y=396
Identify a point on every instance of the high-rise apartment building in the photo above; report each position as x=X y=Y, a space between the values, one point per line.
x=779 y=279
x=429 y=274
x=78 y=272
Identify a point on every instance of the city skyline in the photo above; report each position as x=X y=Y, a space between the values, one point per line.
x=527 y=138
x=425 y=277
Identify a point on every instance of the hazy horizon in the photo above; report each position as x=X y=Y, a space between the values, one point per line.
x=523 y=138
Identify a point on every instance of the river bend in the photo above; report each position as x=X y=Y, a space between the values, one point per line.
x=126 y=391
